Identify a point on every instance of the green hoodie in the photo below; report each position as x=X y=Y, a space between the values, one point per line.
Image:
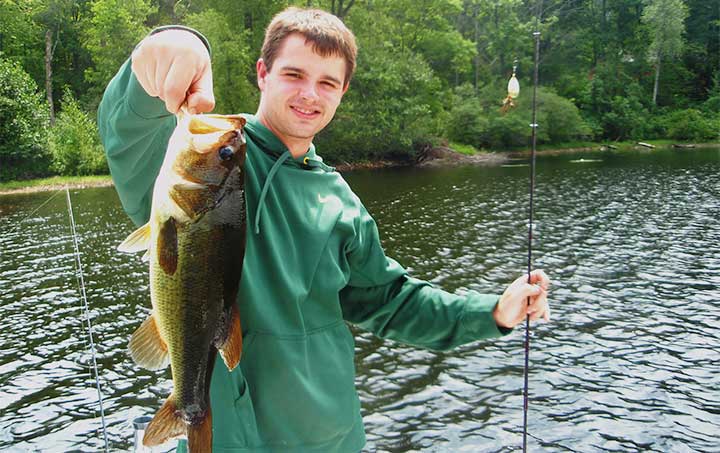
x=313 y=261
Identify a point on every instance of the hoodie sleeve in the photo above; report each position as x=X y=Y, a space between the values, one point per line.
x=383 y=299
x=135 y=129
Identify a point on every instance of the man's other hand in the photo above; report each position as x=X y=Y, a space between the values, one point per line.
x=174 y=65
x=513 y=306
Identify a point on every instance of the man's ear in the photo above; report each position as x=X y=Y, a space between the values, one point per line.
x=262 y=72
x=345 y=88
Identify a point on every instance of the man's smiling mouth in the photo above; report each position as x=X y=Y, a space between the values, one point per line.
x=308 y=112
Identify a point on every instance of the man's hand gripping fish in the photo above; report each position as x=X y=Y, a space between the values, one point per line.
x=195 y=242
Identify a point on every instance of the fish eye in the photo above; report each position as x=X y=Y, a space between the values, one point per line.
x=226 y=153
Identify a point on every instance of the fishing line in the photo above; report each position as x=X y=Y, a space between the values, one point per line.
x=38 y=208
x=78 y=263
x=534 y=126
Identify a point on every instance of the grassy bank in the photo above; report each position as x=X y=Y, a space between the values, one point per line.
x=589 y=146
x=54 y=183
x=58 y=182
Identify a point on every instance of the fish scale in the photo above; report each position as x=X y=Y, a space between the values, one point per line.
x=190 y=298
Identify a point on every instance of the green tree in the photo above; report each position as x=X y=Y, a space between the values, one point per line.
x=424 y=27
x=390 y=107
x=666 y=22
x=232 y=62
x=53 y=16
x=21 y=38
x=23 y=124
x=111 y=34
x=74 y=142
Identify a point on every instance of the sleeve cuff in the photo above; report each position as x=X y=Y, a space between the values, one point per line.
x=141 y=103
x=478 y=316
x=182 y=27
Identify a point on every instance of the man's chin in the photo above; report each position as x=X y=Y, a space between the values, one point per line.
x=305 y=133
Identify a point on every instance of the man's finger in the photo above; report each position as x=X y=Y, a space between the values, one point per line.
x=175 y=87
x=528 y=290
x=142 y=72
x=539 y=277
x=201 y=97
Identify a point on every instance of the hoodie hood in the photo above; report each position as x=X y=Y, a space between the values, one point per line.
x=273 y=147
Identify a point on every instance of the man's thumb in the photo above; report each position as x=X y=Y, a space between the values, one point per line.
x=200 y=97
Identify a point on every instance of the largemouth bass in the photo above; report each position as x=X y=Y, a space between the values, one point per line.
x=195 y=242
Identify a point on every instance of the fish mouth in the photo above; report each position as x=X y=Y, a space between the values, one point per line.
x=238 y=139
x=231 y=144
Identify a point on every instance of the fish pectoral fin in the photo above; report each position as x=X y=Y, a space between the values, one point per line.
x=137 y=241
x=147 y=348
x=167 y=246
x=231 y=348
x=165 y=425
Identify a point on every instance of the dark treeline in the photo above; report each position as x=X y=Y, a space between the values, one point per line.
x=429 y=72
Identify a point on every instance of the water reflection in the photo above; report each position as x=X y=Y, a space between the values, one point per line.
x=629 y=363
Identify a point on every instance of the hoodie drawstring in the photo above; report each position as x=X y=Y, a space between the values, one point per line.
x=266 y=187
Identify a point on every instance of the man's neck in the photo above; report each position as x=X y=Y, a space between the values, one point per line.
x=297 y=146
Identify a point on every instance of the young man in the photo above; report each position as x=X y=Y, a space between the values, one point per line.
x=313 y=257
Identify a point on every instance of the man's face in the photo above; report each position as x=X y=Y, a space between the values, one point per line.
x=301 y=92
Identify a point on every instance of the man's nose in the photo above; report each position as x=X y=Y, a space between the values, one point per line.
x=309 y=92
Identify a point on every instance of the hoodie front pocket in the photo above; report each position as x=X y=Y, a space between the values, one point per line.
x=233 y=414
x=303 y=388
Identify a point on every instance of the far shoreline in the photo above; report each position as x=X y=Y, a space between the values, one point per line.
x=439 y=156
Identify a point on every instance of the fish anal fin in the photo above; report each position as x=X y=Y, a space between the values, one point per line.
x=200 y=435
x=193 y=199
x=147 y=348
x=167 y=246
x=231 y=348
x=137 y=241
x=166 y=424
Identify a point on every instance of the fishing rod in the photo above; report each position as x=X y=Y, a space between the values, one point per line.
x=533 y=126
x=81 y=282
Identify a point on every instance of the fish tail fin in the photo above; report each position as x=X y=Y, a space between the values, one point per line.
x=166 y=424
x=200 y=435
x=231 y=349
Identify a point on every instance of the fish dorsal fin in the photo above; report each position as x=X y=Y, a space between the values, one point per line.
x=166 y=424
x=231 y=346
x=137 y=241
x=147 y=347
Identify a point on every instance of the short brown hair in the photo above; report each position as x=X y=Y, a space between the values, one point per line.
x=328 y=34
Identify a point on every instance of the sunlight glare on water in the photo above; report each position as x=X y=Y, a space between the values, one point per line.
x=630 y=361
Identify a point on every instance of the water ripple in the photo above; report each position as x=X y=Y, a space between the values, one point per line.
x=630 y=362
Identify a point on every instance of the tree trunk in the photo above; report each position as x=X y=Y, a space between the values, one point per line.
x=477 y=51
x=48 y=74
x=657 y=81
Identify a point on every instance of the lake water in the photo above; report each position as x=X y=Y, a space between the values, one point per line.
x=630 y=361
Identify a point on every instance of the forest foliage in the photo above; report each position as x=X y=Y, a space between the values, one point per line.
x=429 y=72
